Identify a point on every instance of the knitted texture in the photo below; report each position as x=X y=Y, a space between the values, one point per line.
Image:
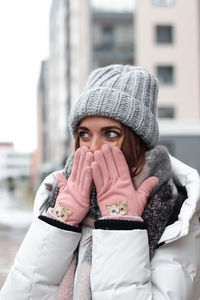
x=124 y=93
x=156 y=216
x=164 y=194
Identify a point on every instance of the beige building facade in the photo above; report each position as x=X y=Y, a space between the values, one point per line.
x=79 y=51
x=79 y=46
x=161 y=35
x=62 y=80
x=167 y=36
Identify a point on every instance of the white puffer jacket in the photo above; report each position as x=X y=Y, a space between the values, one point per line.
x=120 y=261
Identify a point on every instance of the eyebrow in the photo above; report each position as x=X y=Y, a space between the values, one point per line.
x=102 y=129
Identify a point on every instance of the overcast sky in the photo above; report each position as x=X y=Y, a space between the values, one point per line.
x=24 y=40
x=24 y=32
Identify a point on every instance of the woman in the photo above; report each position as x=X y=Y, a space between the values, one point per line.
x=121 y=220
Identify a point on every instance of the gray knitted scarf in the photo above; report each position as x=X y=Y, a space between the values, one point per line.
x=161 y=201
x=156 y=215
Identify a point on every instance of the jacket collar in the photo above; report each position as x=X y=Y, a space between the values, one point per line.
x=189 y=178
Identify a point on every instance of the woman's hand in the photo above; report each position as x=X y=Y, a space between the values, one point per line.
x=116 y=194
x=72 y=203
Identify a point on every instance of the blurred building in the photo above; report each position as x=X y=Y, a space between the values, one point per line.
x=112 y=38
x=57 y=93
x=182 y=138
x=167 y=43
x=161 y=35
x=73 y=54
x=61 y=80
x=53 y=97
x=39 y=159
x=79 y=58
x=167 y=36
x=13 y=164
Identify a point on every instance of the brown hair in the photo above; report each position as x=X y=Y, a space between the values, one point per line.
x=133 y=149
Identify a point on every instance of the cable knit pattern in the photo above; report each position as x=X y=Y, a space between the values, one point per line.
x=124 y=93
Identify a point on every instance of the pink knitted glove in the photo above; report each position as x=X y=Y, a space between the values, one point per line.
x=116 y=194
x=73 y=201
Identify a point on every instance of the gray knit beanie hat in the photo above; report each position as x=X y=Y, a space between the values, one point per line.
x=124 y=93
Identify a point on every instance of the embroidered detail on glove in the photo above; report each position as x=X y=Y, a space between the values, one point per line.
x=119 y=208
x=113 y=181
x=74 y=192
x=61 y=212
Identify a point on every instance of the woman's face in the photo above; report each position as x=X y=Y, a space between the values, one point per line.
x=93 y=132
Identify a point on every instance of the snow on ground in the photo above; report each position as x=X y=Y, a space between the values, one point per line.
x=12 y=214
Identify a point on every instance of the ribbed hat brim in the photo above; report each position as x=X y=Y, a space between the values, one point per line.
x=127 y=110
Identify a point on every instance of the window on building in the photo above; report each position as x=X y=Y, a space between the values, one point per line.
x=107 y=29
x=108 y=36
x=163 y=2
x=164 y=34
x=165 y=74
x=166 y=112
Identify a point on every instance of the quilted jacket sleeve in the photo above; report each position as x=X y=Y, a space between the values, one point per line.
x=40 y=263
x=121 y=268
x=175 y=268
x=120 y=265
